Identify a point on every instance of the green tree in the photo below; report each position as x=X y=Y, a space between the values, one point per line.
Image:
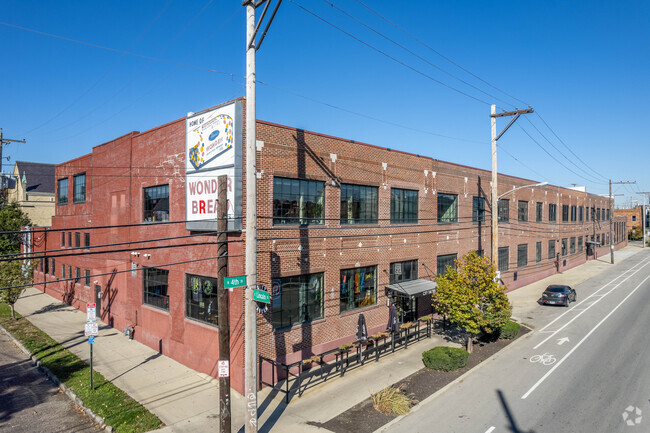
x=12 y=219
x=471 y=298
x=15 y=273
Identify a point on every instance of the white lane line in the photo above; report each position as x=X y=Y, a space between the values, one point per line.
x=539 y=382
x=595 y=294
x=591 y=305
x=490 y=430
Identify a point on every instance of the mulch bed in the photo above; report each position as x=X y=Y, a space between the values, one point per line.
x=363 y=418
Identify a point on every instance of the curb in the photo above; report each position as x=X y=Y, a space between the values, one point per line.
x=55 y=380
x=450 y=384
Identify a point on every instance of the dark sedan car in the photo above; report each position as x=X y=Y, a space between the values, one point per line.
x=559 y=295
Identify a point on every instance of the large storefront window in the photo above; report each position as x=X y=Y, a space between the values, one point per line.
x=154 y=287
x=403 y=206
x=201 y=298
x=358 y=287
x=403 y=271
x=297 y=299
x=297 y=201
x=359 y=204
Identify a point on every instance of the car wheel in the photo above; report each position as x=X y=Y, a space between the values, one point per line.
x=568 y=301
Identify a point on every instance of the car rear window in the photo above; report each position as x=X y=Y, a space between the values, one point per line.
x=555 y=289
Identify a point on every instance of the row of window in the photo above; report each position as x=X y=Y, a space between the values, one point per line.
x=298 y=201
x=48 y=266
x=78 y=189
x=567 y=245
x=569 y=212
x=77 y=240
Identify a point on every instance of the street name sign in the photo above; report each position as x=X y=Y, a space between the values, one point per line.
x=230 y=282
x=261 y=296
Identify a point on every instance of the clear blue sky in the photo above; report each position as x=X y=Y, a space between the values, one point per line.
x=583 y=66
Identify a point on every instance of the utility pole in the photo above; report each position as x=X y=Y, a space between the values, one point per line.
x=250 y=316
x=223 y=304
x=3 y=142
x=495 y=195
x=611 y=217
x=645 y=200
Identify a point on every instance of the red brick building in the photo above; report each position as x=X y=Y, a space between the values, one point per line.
x=633 y=216
x=338 y=223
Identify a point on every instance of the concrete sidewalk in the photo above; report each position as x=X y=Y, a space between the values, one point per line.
x=187 y=401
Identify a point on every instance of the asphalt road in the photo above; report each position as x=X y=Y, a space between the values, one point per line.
x=579 y=372
x=29 y=402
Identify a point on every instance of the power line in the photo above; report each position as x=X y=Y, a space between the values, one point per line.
x=372 y=47
x=438 y=53
x=415 y=54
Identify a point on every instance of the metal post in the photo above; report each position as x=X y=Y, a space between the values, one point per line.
x=223 y=303
x=611 y=220
x=495 y=204
x=92 y=384
x=250 y=324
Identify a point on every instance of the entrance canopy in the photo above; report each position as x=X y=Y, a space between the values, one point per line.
x=410 y=289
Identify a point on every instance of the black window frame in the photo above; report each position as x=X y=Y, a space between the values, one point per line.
x=538 y=251
x=200 y=290
x=445 y=260
x=551 y=249
x=522 y=255
x=87 y=240
x=503 y=258
x=293 y=288
x=552 y=212
x=77 y=239
x=53 y=267
x=574 y=213
x=150 y=285
x=62 y=198
x=87 y=277
x=79 y=188
x=478 y=209
x=351 y=302
x=581 y=213
x=62 y=239
x=522 y=210
x=445 y=202
x=155 y=203
x=572 y=245
x=357 y=200
x=539 y=212
x=408 y=271
x=404 y=206
x=580 y=244
x=565 y=213
x=503 y=209
x=289 y=193
x=564 y=247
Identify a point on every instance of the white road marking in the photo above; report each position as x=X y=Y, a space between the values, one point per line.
x=595 y=294
x=563 y=340
x=582 y=312
x=539 y=382
x=490 y=430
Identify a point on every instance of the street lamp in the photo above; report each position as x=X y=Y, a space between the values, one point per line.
x=495 y=220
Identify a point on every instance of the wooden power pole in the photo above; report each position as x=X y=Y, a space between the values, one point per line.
x=223 y=304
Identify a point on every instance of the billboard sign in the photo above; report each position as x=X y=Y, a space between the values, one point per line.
x=213 y=147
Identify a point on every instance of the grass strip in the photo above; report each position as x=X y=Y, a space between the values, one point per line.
x=108 y=401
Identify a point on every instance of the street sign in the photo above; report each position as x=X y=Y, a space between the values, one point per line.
x=91 y=339
x=260 y=296
x=230 y=282
x=224 y=369
x=91 y=329
x=91 y=312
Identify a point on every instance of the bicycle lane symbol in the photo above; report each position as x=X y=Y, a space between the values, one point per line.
x=545 y=359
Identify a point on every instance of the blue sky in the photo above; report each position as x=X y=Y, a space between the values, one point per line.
x=583 y=67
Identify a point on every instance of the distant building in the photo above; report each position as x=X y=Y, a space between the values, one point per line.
x=33 y=190
x=634 y=217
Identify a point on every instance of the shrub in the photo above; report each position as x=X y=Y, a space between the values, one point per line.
x=509 y=330
x=391 y=400
x=443 y=358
